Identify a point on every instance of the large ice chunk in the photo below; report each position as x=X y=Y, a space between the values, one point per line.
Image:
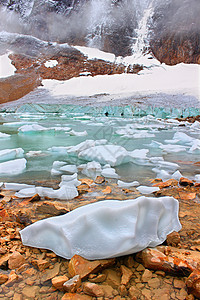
x=4 y=135
x=16 y=186
x=13 y=167
x=106 y=229
x=8 y=154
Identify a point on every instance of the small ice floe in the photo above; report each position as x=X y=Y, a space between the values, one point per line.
x=197 y=178
x=78 y=133
x=4 y=135
x=195 y=146
x=177 y=175
x=38 y=153
x=69 y=180
x=123 y=227
x=167 y=165
x=173 y=148
x=65 y=192
x=163 y=174
x=183 y=137
x=109 y=173
x=86 y=145
x=32 y=127
x=51 y=63
x=13 y=167
x=9 y=154
x=58 y=128
x=195 y=126
x=123 y=184
x=69 y=169
x=91 y=169
x=147 y=189
x=16 y=186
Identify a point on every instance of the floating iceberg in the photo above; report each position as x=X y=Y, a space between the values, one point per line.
x=13 y=167
x=9 y=154
x=32 y=127
x=106 y=229
x=78 y=133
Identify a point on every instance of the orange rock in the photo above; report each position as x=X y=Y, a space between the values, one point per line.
x=185 y=182
x=72 y=296
x=16 y=260
x=13 y=278
x=58 y=282
x=193 y=283
x=4 y=260
x=173 y=239
x=107 y=190
x=166 y=184
x=73 y=284
x=41 y=264
x=126 y=275
x=187 y=196
x=83 y=267
x=87 y=181
x=3 y=278
x=99 y=180
x=93 y=289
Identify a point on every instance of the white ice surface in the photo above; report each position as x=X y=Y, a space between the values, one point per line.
x=106 y=229
x=94 y=53
x=4 y=135
x=145 y=190
x=6 y=68
x=123 y=184
x=78 y=133
x=51 y=63
x=109 y=173
x=16 y=186
x=8 y=154
x=13 y=167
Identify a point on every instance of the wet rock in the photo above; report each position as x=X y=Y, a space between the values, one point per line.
x=51 y=208
x=185 y=182
x=97 y=279
x=107 y=190
x=147 y=275
x=154 y=283
x=30 y=292
x=99 y=180
x=166 y=184
x=4 y=261
x=58 y=282
x=86 y=181
x=173 y=239
x=72 y=285
x=126 y=275
x=122 y=290
x=16 y=260
x=113 y=278
x=17 y=86
x=40 y=264
x=187 y=195
x=12 y=278
x=83 y=188
x=93 y=289
x=193 y=283
x=172 y=260
x=83 y=267
x=50 y=273
x=3 y=278
x=73 y=296
x=134 y=293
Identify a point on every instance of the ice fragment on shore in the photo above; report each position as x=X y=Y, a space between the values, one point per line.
x=123 y=184
x=13 y=167
x=197 y=178
x=177 y=175
x=69 y=168
x=173 y=148
x=9 y=154
x=26 y=193
x=16 y=186
x=164 y=175
x=147 y=189
x=123 y=227
x=91 y=169
x=51 y=63
x=109 y=173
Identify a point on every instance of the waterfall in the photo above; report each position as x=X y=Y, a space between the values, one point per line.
x=141 y=44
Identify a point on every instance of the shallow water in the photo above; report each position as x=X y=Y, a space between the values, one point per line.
x=117 y=125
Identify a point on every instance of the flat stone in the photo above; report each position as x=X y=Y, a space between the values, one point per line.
x=179 y=283
x=187 y=196
x=49 y=274
x=147 y=275
x=87 y=181
x=58 y=282
x=12 y=278
x=83 y=267
x=113 y=278
x=107 y=190
x=126 y=275
x=98 y=279
x=51 y=208
x=99 y=180
x=73 y=284
x=16 y=260
x=154 y=283
x=30 y=291
x=108 y=290
x=173 y=239
x=93 y=289
x=166 y=184
x=134 y=292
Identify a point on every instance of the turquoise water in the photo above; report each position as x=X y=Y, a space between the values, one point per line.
x=101 y=123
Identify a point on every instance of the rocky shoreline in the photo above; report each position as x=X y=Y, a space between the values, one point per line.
x=170 y=271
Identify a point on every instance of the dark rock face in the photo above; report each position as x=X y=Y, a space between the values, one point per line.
x=176 y=32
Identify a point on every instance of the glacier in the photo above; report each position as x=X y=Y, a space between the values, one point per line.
x=108 y=228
